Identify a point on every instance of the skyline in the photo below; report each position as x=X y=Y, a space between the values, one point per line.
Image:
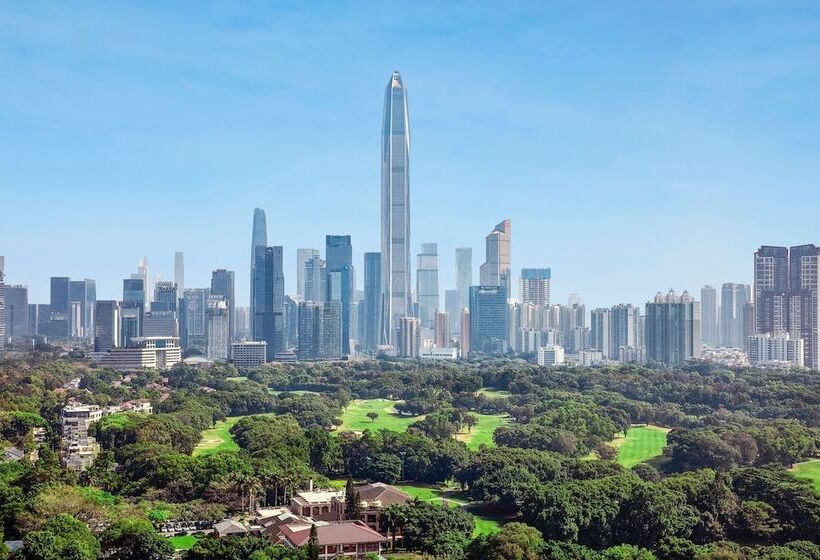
x=198 y=150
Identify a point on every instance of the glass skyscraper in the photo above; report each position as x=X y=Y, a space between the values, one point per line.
x=395 y=202
x=259 y=238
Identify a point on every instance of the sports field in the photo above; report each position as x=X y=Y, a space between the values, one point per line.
x=640 y=444
x=184 y=542
x=809 y=470
x=354 y=417
x=483 y=431
x=219 y=437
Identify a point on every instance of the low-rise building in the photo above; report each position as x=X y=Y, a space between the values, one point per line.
x=154 y=352
x=249 y=354
x=317 y=504
x=436 y=353
x=550 y=355
x=337 y=540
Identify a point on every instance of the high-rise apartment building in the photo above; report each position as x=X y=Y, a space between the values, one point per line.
x=489 y=316
x=259 y=239
x=775 y=349
x=496 y=268
x=442 y=330
x=535 y=286
x=732 y=320
x=269 y=289
x=310 y=330
x=464 y=275
x=372 y=315
x=673 y=328
x=427 y=291
x=571 y=325
x=218 y=327
x=601 y=335
x=302 y=257
x=16 y=312
x=395 y=209
x=709 y=316
x=60 y=307
x=341 y=279
x=625 y=328
x=787 y=292
x=409 y=337
x=330 y=346
x=222 y=284
x=106 y=325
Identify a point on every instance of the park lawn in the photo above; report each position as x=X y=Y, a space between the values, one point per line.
x=640 y=444
x=485 y=525
x=295 y=392
x=183 y=542
x=808 y=470
x=237 y=378
x=219 y=437
x=482 y=433
x=354 y=417
x=492 y=393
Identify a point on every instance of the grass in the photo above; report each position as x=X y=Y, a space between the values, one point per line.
x=484 y=524
x=184 y=542
x=355 y=417
x=492 y=393
x=219 y=437
x=808 y=470
x=640 y=444
x=482 y=433
x=296 y=392
x=237 y=378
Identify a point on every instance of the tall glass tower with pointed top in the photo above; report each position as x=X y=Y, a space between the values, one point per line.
x=395 y=254
x=259 y=238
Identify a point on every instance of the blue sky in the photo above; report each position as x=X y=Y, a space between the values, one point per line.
x=636 y=146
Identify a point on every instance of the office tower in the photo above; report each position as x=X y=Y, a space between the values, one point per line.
x=310 y=330
x=133 y=291
x=60 y=307
x=142 y=274
x=601 y=335
x=218 y=327
x=733 y=300
x=464 y=275
x=84 y=292
x=131 y=317
x=165 y=297
x=179 y=273
x=427 y=285
x=106 y=325
x=41 y=318
x=222 y=284
x=535 y=286
x=442 y=339
x=625 y=327
x=672 y=328
x=259 y=239
x=16 y=313
x=242 y=325
x=464 y=336
x=2 y=303
x=395 y=207
x=302 y=257
x=489 y=316
x=192 y=322
x=771 y=284
x=496 y=268
x=709 y=316
x=340 y=279
x=409 y=337
x=330 y=346
x=315 y=279
x=291 y=323
x=453 y=309
x=269 y=290
x=160 y=323
x=372 y=315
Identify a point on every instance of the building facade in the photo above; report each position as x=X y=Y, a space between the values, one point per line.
x=427 y=291
x=496 y=268
x=672 y=328
x=489 y=316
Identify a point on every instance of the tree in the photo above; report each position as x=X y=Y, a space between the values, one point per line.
x=373 y=416
x=353 y=502
x=313 y=544
x=515 y=541
x=61 y=538
x=134 y=540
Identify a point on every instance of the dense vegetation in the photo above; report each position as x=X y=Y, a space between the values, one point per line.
x=721 y=489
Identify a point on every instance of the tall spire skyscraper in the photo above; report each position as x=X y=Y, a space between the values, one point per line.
x=496 y=268
x=395 y=202
x=259 y=238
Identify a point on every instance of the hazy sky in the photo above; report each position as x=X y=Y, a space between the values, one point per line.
x=635 y=146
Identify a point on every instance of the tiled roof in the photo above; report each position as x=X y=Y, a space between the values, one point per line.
x=342 y=532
